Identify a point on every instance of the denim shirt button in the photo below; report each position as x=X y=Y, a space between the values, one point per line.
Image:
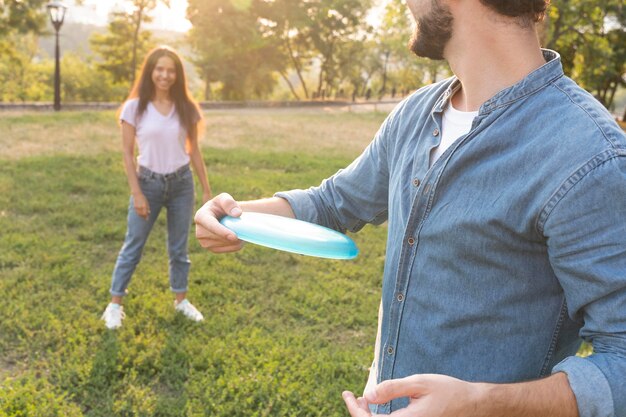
x=400 y=297
x=390 y=350
x=416 y=182
x=411 y=241
x=436 y=132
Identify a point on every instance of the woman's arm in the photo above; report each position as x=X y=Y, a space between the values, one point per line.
x=198 y=164
x=128 y=151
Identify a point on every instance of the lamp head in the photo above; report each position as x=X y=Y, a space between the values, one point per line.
x=57 y=13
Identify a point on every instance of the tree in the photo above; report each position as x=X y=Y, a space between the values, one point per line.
x=403 y=68
x=231 y=48
x=285 y=21
x=591 y=38
x=125 y=39
x=139 y=15
x=21 y=79
x=392 y=37
x=334 y=22
x=84 y=82
x=118 y=44
x=22 y=16
x=17 y=18
x=358 y=62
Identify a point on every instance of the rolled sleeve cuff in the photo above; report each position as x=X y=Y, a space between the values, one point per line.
x=590 y=387
x=128 y=120
x=301 y=204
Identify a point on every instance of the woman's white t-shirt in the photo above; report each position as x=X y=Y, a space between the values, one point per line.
x=160 y=139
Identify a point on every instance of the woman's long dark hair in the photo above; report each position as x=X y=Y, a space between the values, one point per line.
x=186 y=107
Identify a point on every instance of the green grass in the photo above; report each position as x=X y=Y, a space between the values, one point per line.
x=284 y=334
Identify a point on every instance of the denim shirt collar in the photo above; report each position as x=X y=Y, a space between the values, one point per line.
x=534 y=81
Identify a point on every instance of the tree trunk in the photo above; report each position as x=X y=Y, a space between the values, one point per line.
x=207 y=89
x=556 y=33
x=365 y=83
x=324 y=69
x=320 y=80
x=293 y=91
x=296 y=63
x=384 y=87
x=611 y=95
x=135 y=42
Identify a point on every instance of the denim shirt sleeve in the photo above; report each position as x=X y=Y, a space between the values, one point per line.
x=585 y=227
x=352 y=197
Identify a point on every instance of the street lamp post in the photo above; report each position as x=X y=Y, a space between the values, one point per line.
x=57 y=14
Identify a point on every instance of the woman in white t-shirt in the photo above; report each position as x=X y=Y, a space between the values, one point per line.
x=162 y=119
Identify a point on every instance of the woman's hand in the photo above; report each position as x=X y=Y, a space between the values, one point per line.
x=206 y=196
x=142 y=208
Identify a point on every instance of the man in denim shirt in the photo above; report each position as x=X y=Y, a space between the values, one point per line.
x=507 y=229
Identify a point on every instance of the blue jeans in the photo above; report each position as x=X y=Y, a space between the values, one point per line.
x=175 y=192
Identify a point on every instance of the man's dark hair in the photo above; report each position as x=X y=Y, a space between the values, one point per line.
x=527 y=10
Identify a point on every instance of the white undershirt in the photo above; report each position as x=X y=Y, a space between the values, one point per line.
x=455 y=123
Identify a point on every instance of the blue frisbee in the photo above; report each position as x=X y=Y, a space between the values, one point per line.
x=291 y=235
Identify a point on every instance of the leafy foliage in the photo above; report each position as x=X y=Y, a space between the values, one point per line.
x=591 y=37
x=260 y=49
x=22 y=16
x=286 y=22
x=332 y=25
x=231 y=50
x=20 y=20
x=403 y=70
x=22 y=79
x=85 y=82
x=115 y=47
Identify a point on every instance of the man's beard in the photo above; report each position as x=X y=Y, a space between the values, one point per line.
x=432 y=32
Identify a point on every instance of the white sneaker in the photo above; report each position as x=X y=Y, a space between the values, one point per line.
x=113 y=316
x=188 y=310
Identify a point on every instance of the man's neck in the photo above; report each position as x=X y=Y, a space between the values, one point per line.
x=488 y=53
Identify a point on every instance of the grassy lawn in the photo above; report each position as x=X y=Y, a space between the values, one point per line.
x=284 y=334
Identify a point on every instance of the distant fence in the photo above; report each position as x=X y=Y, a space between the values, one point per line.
x=206 y=105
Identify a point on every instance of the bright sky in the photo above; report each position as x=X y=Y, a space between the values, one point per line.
x=96 y=12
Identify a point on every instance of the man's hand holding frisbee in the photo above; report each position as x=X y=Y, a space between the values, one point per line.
x=217 y=238
x=267 y=223
x=209 y=232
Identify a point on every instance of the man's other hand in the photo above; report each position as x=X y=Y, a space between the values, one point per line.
x=429 y=396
